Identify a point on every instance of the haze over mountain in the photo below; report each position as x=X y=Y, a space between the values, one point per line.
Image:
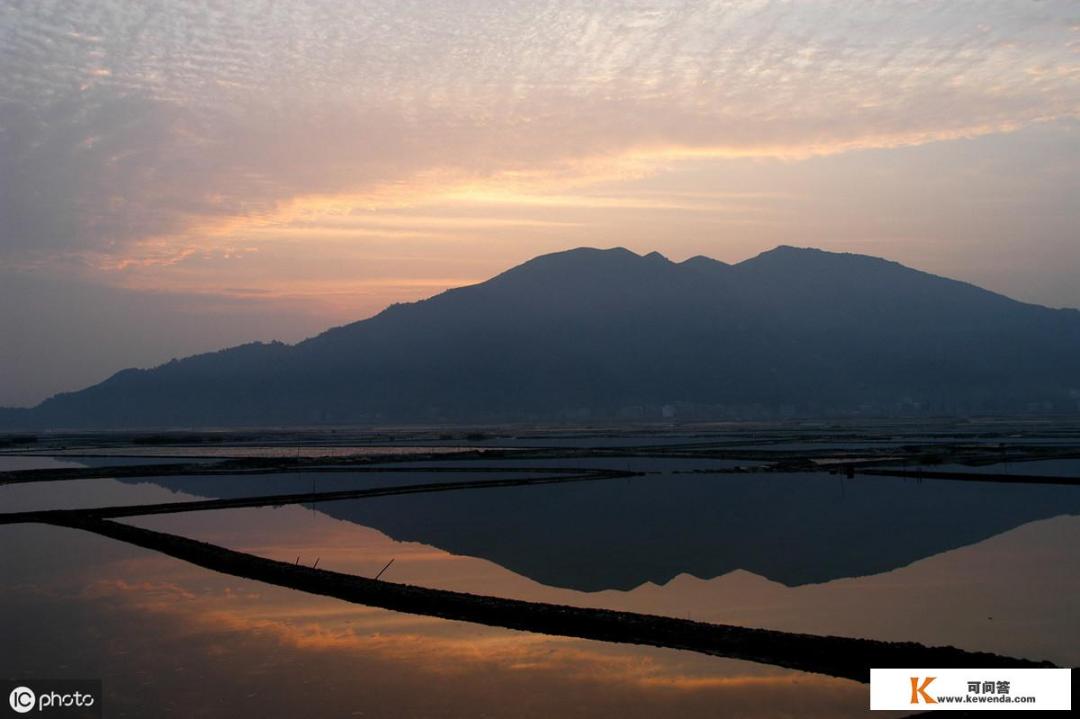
x=608 y=334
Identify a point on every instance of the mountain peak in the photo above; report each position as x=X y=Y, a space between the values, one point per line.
x=585 y=253
x=790 y=253
x=584 y=263
x=609 y=334
x=703 y=263
x=789 y=258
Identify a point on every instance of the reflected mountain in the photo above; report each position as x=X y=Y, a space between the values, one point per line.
x=618 y=534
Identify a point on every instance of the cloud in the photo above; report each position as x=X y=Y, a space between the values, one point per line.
x=288 y=166
x=136 y=130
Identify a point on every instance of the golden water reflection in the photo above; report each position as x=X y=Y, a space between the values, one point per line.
x=170 y=638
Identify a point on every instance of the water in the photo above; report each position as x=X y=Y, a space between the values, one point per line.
x=980 y=566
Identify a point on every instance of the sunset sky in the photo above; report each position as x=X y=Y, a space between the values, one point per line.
x=176 y=177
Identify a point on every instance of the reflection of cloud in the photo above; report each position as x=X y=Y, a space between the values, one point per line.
x=173 y=660
x=448 y=648
x=160 y=593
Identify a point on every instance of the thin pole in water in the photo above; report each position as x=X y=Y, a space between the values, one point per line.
x=384 y=569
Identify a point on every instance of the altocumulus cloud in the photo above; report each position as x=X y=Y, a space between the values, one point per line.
x=127 y=127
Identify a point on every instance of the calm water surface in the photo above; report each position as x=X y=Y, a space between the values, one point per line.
x=980 y=566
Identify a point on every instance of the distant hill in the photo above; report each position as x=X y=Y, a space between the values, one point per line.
x=607 y=334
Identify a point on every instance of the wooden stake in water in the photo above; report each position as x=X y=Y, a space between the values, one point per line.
x=384 y=569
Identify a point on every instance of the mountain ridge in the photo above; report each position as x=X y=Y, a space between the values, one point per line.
x=607 y=333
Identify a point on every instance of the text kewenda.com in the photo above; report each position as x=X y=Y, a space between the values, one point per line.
x=969 y=699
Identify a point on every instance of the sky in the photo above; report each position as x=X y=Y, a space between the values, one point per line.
x=176 y=177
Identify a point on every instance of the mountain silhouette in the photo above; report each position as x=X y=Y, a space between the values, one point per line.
x=609 y=334
x=790 y=528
